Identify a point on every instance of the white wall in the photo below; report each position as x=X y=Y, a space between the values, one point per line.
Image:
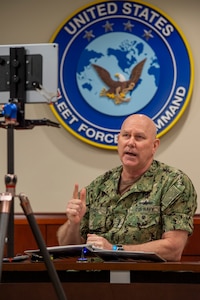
x=48 y=161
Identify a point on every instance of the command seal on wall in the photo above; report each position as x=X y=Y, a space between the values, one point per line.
x=117 y=58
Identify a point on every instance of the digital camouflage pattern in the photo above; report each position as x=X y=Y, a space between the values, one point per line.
x=163 y=199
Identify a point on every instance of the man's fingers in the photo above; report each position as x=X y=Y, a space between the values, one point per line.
x=83 y=195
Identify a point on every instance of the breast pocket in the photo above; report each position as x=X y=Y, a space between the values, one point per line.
x=145 y=225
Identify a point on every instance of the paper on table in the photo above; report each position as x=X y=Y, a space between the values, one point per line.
x=106 y=255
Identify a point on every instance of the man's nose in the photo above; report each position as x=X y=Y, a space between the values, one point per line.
x=131 y=142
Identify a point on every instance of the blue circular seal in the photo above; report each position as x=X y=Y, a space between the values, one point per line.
x=119 y=58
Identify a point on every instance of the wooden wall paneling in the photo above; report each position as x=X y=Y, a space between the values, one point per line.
x=51 y=235
x=24 y=238
x=50 y=222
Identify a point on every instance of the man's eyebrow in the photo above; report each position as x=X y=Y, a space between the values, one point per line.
x=135 y=133
x=139 y=132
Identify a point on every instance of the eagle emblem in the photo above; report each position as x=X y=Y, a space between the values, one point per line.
x=117 y=89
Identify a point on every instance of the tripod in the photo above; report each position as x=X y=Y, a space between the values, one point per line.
x=6 y=200
x=7 y=214
x=14 y=119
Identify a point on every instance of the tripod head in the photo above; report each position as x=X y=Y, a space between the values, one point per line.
x=9 y=112
x=13 y=112
x=12 y=116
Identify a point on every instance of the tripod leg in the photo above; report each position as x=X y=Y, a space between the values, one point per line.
x=5 y=205
x=10 y=182
x=25 y=204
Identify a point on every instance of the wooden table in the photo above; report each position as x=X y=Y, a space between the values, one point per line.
x=102 y=280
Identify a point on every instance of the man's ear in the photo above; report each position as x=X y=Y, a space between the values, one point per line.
x=156 y=144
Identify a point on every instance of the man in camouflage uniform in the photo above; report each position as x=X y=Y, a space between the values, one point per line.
x=143 y=205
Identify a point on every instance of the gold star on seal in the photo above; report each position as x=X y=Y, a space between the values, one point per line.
x=147 y=34
x=108 y=26
x=88 y=35
x=128 y=26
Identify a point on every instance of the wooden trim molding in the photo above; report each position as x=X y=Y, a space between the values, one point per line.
x=197 y=219
x=41 y=218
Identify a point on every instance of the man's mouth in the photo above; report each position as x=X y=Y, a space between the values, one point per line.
x=130 y=153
